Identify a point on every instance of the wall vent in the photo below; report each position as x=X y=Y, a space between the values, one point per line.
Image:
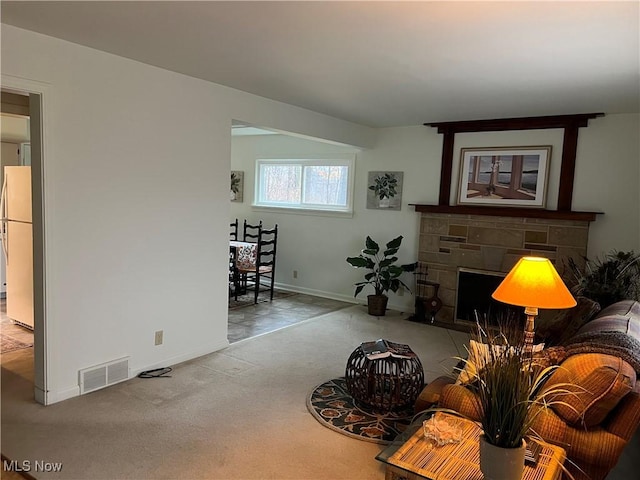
x=103 y=375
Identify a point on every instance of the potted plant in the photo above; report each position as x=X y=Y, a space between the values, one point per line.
x=384 y=272
x=384 y=188
x=508 y=387
x=607 y=280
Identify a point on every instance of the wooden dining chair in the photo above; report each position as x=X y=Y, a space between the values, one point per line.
x=233 y=230
x=251 y=233
x=265 y=267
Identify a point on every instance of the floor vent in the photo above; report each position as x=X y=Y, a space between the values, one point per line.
x=103 y=375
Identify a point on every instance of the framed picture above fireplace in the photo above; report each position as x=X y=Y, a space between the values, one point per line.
x=504 y=176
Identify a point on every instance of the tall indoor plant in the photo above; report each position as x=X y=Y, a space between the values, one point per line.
x=509 y=390
x=608 y=279
x=384 y=272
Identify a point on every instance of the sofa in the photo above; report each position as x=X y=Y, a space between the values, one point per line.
x=596 y=417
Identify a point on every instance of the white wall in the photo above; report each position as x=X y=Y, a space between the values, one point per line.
x=136 y=173
x=607 y=170
x=136 y=178
x=317 y=246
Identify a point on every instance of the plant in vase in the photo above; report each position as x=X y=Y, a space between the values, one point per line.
x=609 y=279
x=384 y=272
x=509 y=391
x=385 y=188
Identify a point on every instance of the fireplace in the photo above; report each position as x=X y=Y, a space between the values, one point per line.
x=473 y=295
x=477 y=248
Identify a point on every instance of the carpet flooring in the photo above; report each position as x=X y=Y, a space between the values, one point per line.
x=237 y=414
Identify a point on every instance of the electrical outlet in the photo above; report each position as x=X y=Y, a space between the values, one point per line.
x=295 y=274
x=159 y=335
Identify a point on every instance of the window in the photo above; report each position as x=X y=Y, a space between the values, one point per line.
x=309 y=184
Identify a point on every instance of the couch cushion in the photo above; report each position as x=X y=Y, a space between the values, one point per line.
x=622 y=317
x=592 y=384
x=555 y=327
x=479 y=355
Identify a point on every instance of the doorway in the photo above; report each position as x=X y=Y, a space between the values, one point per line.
x=22 y=99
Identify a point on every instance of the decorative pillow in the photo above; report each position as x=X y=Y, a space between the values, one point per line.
x=555 y=327
x=479 y=355
x=592 y=385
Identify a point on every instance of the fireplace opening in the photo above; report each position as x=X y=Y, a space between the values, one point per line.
x=473 y=295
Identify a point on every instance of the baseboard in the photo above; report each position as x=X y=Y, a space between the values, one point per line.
x=54 y=396
x=316 y=293
x=402 y=308
x=168 y=362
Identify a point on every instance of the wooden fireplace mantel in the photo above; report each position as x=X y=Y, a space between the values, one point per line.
x=508 y=212
x=569 y=123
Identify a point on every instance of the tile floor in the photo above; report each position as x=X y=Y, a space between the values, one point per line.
x=250 y=320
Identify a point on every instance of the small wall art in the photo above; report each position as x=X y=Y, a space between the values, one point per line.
x=237 y=186
x=384 y=191
x=504 y=176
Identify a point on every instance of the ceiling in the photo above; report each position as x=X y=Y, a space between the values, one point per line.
x=375 y=63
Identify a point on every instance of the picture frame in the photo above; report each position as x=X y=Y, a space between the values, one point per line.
x=384 y=190
x=237 y=186
x=504 y=176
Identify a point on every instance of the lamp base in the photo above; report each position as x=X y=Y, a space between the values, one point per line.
x=529 y=329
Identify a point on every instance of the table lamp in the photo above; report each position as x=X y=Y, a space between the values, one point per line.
x=533 y=283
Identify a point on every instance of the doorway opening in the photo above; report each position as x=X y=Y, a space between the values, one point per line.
x=22 y=308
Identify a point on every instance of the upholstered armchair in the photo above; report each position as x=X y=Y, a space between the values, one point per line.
x=604 y=412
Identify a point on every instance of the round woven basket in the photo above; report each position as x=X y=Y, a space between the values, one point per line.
x=384 y=384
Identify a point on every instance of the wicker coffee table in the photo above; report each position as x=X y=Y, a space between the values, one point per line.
x=417 y=458
x=385 y=383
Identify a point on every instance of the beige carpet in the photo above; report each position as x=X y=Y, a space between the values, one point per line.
x=236 y=414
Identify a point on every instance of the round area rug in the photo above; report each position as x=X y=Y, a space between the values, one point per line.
x=331 y=404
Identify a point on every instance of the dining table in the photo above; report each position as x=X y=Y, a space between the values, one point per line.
x=242 y=255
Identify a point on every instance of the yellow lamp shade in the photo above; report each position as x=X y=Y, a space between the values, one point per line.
x=534 y=282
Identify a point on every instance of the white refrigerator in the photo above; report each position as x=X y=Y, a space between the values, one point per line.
x=17 y=243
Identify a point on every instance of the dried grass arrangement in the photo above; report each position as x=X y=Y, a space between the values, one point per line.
x=508 y=385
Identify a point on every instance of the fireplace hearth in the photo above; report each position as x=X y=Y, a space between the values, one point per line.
x=490 y=244
x=473 y=296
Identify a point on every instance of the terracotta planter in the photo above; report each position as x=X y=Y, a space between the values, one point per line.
x=497 y=463
x=377 y=304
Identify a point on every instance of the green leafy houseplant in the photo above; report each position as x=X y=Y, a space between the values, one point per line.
x=384 y=270
x=609 y=279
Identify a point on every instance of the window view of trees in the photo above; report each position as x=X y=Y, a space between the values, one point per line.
x=280 y=183
x=312 y=184
x=325 y=185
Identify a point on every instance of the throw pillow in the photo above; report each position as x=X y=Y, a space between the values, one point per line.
x=479 y=355
x=555 y=327
x=592 y=384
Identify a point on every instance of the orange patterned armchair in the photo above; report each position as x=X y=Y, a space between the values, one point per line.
x=605 y=403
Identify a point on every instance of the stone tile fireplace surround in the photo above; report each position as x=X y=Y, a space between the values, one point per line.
x=494 y=243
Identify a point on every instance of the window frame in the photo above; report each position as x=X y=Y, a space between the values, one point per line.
x=344 y=160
